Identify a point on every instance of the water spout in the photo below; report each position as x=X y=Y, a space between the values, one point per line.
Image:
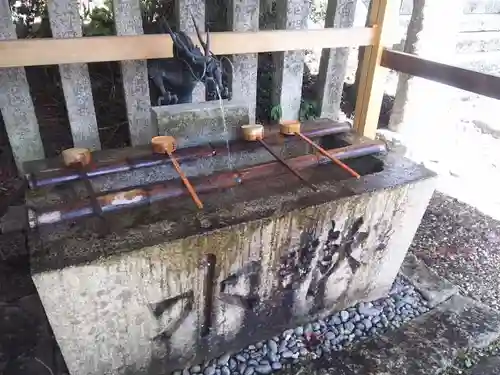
x=226 y=132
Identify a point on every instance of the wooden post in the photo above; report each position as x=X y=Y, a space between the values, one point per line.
x=65 y=23
x=16 y=104
x=128 y=21
x=373 y=75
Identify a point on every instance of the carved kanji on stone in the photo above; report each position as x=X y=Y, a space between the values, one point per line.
x=337 y=251
x=158 y=309
x=296 y=264
x=342 y=248
x=251 y=272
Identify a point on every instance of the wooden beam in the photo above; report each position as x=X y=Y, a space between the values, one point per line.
x=48 y=51
x=465 y=79
x=373 y=76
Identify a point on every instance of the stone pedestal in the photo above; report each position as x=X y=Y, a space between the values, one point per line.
x=194 y=124
x=170 y=285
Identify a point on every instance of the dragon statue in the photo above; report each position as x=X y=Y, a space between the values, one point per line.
x=175 y=78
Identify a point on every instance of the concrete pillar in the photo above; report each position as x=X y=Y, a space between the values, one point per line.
x=332 y=69
x=65 y=22
x=287 y=80
x=16 y=104
x=422 y=108
x=184 y=9
x=128 y=21
x=244 y=16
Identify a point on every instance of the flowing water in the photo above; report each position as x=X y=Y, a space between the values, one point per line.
x=226 y=132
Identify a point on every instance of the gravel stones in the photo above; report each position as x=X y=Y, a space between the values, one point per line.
x=336 y=320
x=460 y=243
x=321 y=337
x=367 y=324
x=264 y=369
x=368 y=311
x=276 y=366
x=344 y=316
x=273 y=346
x=349 y=327
x=223 y=360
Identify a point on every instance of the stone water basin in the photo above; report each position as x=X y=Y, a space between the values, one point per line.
x=154 y=288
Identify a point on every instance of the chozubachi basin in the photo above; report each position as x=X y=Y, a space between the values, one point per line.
x=136 y=279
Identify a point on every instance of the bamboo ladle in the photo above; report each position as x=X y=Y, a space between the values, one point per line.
x=166 y=144
x=80 y=158
x=293 y=128
x=255 y=133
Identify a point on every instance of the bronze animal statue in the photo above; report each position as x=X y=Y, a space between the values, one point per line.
x=175 y=78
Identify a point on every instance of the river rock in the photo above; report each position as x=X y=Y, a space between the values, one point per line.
x=264 y=369
x=273 y=346
x=223 y=360
x=276 y=366
x=344 y=316
x=349 y=327
x=330 y=335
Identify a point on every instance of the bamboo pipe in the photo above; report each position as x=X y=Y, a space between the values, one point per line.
x=116 y=200
x=254 y=133
x=61 y=175
x=293 y=128
x=167 y=145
